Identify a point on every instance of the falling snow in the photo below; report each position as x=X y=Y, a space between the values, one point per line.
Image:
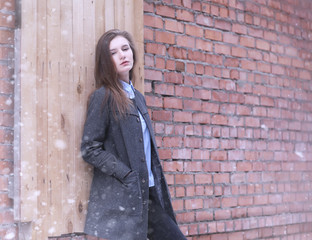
x=9 y=18
x=10 y=235
x=8 y=102
x=60 y=144
x=299 y=154
x=51 y=230
x=263 y=126
x=71 y=201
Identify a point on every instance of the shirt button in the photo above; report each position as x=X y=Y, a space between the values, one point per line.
x=141 y=140
x=138 y=119
x=143 y=180
x=142 y=160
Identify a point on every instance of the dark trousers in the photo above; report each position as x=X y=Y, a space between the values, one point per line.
x=160 y=225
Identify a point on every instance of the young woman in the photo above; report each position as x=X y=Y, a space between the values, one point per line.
x=129 y=197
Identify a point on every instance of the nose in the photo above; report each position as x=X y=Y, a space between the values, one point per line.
x=121 y=54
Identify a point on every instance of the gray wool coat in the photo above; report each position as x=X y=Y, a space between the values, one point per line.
x=118 y=203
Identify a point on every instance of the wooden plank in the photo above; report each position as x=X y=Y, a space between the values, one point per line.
x=40 y=226
x=28 y=112
x=82 y=89
x=109 y=14
x=119 y=9
x=54 y=117
x=135 y=13
x=66 y=141
x=99 y=19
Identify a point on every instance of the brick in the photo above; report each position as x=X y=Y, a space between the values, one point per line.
x=155 y=48
x=214 y=10
x=204 y=20
x=196 y=56
x=174 y=26
x=177 y=53
x=270 y=36
x=165 y=11
x=222 y=49
x=152 y=74
x=213 y=35
x=254 y=32
x=222 y=215
x=6 y=37
x=184 y=217
x=224 y=25
x=218 y=155
x=173 y=77
x=182 y=116
x=251 y=7
x=165 y=37
x=153 y=21
x=203 y=178
x=185 y=15
x=264 y=67
x=184 y=179
x=238 y=52
x=230 y=38
x=164 y=89
x=180 y=66
x=193 y=204
x=238 y=28
x=267 y=11
x=203 y=45
x=6 y=53
x=7 y=20
x=229 y=202
x=5 y=202
x=247 y=41
x=160 y=63
x=193 y=30
x=162 y=115
x=194 y=105
x=148 y=34
x=172 y=103
x=203 y=216
x=185 y=41
x=148 y=7
x=263 y=45
x=6 y=152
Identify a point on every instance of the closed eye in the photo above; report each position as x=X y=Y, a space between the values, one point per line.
x=125 y=48
x=113 y=52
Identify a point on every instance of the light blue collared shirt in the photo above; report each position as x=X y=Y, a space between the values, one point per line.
x=129 y=89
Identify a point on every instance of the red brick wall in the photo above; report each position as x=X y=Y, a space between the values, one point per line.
x=7 y=26
x=228 y=85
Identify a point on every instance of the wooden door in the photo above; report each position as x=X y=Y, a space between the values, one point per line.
x=57 y=43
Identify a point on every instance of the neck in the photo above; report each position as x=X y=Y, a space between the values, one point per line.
x=124 y=78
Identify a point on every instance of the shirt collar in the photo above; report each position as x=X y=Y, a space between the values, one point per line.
x=128 y=88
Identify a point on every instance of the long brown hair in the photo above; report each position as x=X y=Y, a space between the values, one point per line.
x=106 y=75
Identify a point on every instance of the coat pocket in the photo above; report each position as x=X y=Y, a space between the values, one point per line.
x=128 y=195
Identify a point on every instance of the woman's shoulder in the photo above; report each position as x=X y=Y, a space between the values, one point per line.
x=96 y=96
x=98 y=93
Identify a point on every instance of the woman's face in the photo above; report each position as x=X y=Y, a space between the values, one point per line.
x=122 y=56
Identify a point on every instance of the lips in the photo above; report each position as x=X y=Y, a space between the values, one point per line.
x=125 y=63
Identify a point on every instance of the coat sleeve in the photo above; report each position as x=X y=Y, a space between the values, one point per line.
x=92 y=149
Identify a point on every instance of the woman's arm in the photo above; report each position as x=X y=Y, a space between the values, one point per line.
x=93 y=137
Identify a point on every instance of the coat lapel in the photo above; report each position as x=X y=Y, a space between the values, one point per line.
x=143 y=109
